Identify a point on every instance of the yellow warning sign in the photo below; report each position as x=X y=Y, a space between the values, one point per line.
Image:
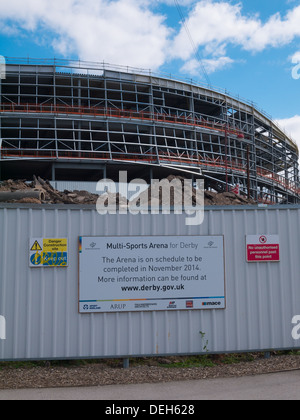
x=55 y=245
x=48 y=252
x=36 y=247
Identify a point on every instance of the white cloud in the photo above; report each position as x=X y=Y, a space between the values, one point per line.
x=180 y=2
x=291 y=127
x=218 y=24
x=135 y=33
x=120 y=31
x=193 y=67
x=9 y=30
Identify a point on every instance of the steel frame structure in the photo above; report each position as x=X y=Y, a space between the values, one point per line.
x=85 y=121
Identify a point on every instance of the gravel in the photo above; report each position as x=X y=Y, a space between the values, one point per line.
x=150 y=371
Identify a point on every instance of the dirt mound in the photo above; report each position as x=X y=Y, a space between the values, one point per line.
x=11 y=185
x=225 y=199
x=40 y=191
x=154 y=195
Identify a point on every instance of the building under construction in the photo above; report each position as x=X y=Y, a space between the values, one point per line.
x=74 y=121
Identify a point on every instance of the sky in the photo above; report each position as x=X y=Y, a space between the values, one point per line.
x=251 y=48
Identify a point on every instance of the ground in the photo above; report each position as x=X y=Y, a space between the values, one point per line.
x=146 y=370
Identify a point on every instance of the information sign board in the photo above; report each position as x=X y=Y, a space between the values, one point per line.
x=120 y=274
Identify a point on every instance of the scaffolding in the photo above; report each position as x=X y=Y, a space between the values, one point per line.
x=56 y=118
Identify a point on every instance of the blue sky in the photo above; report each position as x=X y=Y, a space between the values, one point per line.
x=247 y=47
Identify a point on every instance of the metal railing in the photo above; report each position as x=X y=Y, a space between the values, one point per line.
x=117 y=113
x=89 y=67
x=155 y=159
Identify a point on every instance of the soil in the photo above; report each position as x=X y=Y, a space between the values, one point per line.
x=145 y=370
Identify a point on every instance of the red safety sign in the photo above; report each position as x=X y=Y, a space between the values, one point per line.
x=262 y=248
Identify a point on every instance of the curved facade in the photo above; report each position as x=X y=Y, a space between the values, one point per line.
x=65 y=123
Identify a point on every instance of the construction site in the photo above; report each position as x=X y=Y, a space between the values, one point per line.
x=79 y=282
x=73 y=123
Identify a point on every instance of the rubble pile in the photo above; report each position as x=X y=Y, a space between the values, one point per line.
x=40 y=191
x=154 y=196
x=10 y=185
x=49 y=194
x=225 y=199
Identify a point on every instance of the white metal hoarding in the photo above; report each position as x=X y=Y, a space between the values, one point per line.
x=39 y=306
x=121 y=274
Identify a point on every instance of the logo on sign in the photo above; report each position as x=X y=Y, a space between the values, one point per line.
x=211 y=245
x=92 y=247
x=118 y=306
x=211 y=303
x=263 y=239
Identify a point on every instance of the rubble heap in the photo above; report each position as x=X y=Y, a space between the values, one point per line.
x=29 y=193
x=49 y=196
x=154 y=196
x=226 y=199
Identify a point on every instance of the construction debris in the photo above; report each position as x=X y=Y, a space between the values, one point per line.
x=154 y=196
x=180 y=193
x=21 y=195
x=226 y=199
x=40 y=191
x=46 y=193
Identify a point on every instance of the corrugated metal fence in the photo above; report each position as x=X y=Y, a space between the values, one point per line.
x=40 y=306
